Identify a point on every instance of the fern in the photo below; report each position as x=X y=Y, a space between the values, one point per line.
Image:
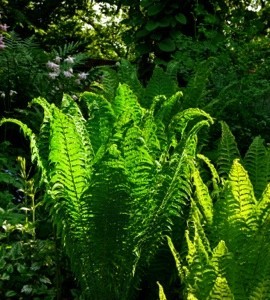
x=255 y=161
x=227 y=151
x=117 y=179
x=159 y=84
x=229 y=258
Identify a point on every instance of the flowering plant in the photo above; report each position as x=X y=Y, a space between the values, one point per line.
x=63 y=76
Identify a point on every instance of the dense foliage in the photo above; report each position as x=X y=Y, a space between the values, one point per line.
x=142 y=175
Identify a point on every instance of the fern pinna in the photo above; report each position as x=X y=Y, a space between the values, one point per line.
x=227 y=243
x=116 y=176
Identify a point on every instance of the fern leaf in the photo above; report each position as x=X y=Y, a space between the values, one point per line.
x=68 y=175
x=169 y=108
x=264 y=205
x=106 y=204
x=161 y=292
x=242 y=192
x=36 y=157
x=202 y=196
x=126 y=106
x=255 y=161
x=235 y=208
x=227 y=152
x=196 y=88
x=215 y=179
x=221 y=290
x=177 y=259
x=100 y=121
x=159 y=84
x=127 y=74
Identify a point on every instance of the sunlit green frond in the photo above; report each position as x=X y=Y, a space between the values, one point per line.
x=190 y=121
x=202 y=196
x=255 y=161
x=221 y=290
x=107 y=202
x=221 y=258
x=201 y=274
x=43 y=138
x=169 y=108
x=264 y=206
x=227 y=151
x=161 y=293
x=236 y=208
x=68 y=174
x=110 y=82
x=177 y=259
x=126 y=106
x=139 y=164
x=242 y=192
x=215 y=179
x=100 y=119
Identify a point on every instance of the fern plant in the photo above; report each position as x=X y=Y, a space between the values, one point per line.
x=116 y=176
x=226 y=254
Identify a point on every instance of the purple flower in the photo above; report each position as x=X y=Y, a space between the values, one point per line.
x=3 y=27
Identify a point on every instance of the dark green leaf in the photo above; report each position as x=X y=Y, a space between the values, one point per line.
x=151 y=25
x=10 y=294
x=181 y=18
x=155 y=9
x=167 y=45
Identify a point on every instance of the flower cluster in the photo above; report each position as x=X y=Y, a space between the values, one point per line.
x=65 y=67
x=3 y=28
x=63 y=77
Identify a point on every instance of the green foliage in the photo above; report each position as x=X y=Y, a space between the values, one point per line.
x=27 y=263
x=117 y=176
x=227 y=258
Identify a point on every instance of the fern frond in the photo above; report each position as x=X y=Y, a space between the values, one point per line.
x=177 y=259
x=215 y=179
x=161 y=292
x=264 y=205
x=196 y=88
x=35 y=153
x=227 y=151
x=68 y=175
x=159 y=84
x=221 y=290
x=202 y=196
x=127 y=74
x=106 y=204
x=126 y=106
x=255 y=161
x=169 y=108
x=110 y=82
x=100 y=119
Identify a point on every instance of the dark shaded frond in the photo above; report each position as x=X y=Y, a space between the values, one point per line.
x=227 y=152
x=159 y=84
x=255 y=161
